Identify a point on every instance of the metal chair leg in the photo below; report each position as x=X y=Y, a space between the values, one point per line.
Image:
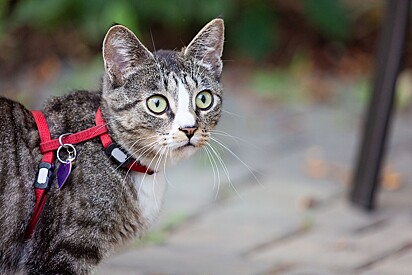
x=388 y=61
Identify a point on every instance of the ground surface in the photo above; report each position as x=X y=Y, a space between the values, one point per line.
x=295 y=219
x=291 y=215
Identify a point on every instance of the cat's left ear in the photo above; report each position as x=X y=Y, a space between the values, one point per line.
x=207 y=46
x=123 y=54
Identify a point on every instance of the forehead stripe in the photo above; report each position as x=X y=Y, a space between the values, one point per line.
x=183 y=116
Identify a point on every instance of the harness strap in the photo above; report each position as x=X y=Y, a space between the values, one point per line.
x=48 y=146
x=105 y=138
x=125 y=161
x=79 y=137
x=48 y=158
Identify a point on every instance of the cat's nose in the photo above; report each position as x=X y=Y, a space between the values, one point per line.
x=189 y=131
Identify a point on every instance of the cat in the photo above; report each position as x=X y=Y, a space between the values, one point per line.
x=160 y=107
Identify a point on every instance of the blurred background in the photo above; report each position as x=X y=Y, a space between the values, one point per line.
x=272 y=196
x=282 y=48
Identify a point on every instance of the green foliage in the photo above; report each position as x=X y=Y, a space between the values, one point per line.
x=278 y=85
x=255 y=34
x=285 y=85
x=3 y=10
x=37 y=15
x=181 y=13
x=328 y=17
x=253 y=24
x=91 y=17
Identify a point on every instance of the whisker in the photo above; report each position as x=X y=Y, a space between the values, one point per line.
x=225 y=170
x=211 y=164
x=214 y=164
x=235 y=138
x=134 y=153
x=135 y=161
x=232 y=114
x=164 y=168
x=237 y=157
x=156 y=168
x=145 y=174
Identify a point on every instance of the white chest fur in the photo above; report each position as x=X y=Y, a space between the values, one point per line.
x=150 y=190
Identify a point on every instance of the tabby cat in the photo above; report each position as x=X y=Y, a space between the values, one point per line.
x=160 y=107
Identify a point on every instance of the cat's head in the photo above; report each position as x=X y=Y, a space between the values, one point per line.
x=162 y=104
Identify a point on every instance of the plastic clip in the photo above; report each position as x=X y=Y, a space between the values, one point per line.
x=117 y=154
x=44 y=175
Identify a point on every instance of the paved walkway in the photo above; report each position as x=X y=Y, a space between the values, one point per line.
x=293 y=219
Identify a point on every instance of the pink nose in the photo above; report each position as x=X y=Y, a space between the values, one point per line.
x=189 y=131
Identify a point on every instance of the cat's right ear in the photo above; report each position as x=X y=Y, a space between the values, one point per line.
x=207 y=46
x=123 y=54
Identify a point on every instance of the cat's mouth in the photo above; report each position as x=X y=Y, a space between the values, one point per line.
x=186 y=145
x=189 y=144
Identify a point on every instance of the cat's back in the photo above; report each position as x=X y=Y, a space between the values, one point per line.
x=18 y=135
x=18 y=157
x=15 y=119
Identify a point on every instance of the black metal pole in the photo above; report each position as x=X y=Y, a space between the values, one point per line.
x=388 y=61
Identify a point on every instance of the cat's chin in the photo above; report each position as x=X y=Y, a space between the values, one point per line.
x=182 y=153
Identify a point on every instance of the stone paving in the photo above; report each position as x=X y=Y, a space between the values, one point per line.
x=291 y=215
x=295 y=217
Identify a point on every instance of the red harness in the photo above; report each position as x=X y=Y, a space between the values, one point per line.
x=49 y=146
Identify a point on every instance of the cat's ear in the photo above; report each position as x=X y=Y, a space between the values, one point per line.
x=207 y=46
x=123 y=53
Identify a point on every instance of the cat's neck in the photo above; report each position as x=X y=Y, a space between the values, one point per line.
x=71 y=113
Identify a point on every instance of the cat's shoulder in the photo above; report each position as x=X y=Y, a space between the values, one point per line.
x=9 y=107
x=7 y=103
x=16 y=122
x=73 y=100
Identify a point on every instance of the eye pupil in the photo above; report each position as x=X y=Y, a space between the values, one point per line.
x=157 y=104
x=204 y=100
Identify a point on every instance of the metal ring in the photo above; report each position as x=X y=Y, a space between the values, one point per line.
x=66 y=146
x=61 y=140
x=69 y=148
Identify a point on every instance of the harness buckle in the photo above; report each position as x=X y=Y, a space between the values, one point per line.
x=44 y=175
x=118 y=155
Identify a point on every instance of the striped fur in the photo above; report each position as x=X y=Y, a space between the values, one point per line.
x=102 y=207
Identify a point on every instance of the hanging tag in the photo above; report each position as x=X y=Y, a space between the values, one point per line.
x=66 y=166
x=63 y=173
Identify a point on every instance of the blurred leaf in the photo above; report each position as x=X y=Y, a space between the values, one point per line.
x=214 y=8
x=252 y=25
x=256 y=31
x=329 y=17
x=47 y=15
x=82 y=76
x=98 y=18
x=119 y=12
x=3 y=10
x=278 y=85
x=169 y=12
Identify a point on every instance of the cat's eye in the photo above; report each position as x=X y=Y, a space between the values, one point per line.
x=204 y=100
x=157 y=104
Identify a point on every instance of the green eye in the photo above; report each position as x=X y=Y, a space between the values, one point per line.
x=157 y=104
x=204 y=100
